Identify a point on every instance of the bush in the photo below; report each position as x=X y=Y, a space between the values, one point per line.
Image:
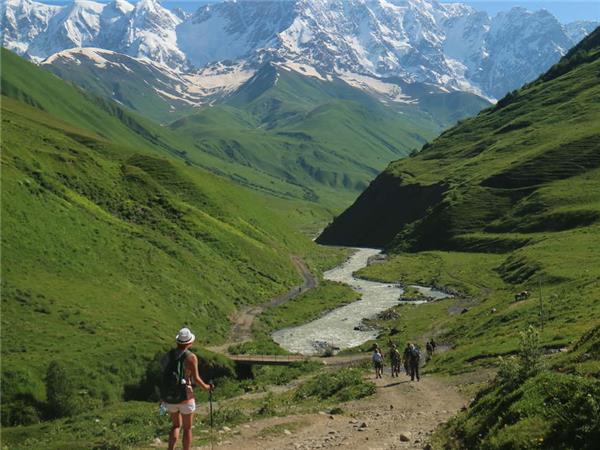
x=63 y=396
x=19 y=413
x=22 y=398
x=211 y=367
x=513 y=371
x=267 y=406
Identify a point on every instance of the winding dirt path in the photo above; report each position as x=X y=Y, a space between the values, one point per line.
x=242 y=320
x=399 y=406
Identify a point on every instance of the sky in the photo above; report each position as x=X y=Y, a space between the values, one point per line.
x=565 y=11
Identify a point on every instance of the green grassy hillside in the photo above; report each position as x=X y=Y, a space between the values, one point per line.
x=131 y=82
x=26 y=82
x=281 y=131
x=492 y=182
x=504 y=202
x=327 y=137
x=110 y=244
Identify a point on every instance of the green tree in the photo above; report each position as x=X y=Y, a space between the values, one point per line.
x=61 y=391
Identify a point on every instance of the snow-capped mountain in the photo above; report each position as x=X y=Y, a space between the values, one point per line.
x=146 y=30
x=151 y=88
x=580 y=28
x=451 y=46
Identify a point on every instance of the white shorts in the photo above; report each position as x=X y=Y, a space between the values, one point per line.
x=182 y=408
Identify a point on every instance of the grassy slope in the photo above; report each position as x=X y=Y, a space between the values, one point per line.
x=556 y=408
x=110 y=121
x=326 y=136
x=131 y=82
x=509 y=200
x=107 y=242
x=283 y=132
x=539 y=220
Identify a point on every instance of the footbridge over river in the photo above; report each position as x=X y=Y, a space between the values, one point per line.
x=286 y=360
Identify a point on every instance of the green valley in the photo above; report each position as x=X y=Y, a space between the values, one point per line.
x=335 y=137
x=112 y=240
x=120 y=226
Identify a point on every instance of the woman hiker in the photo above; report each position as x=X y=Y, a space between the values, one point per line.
x=395 y=358
x=180 y=373
x=377 y=361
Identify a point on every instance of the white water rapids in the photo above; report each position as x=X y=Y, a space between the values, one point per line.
x=337 y=327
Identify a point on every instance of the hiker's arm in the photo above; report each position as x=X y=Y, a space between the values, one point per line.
x=196 y=375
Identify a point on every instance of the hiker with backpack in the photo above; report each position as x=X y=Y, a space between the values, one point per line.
x=180 y=374
x=377 y=361
x=414 y=356
x=406 y=359
x=395 y=358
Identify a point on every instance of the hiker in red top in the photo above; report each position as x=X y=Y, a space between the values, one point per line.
x=180 y=373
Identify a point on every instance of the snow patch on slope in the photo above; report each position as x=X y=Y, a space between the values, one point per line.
x=389 y=91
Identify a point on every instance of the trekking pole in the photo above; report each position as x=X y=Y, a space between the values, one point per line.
x=210 y=409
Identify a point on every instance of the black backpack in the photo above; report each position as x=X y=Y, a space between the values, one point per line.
x=172 y=390
x=415 y=354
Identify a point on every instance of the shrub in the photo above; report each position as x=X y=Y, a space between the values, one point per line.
x=62 y=393
x=19 y=413
x=513 y=371
x=21 y=395
x=267 y=406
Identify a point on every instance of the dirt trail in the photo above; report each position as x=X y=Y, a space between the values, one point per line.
x=398 y=407
x=242 y=320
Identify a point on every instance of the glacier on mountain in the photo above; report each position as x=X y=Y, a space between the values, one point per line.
x=451 y=46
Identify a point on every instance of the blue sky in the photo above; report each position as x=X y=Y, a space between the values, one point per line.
x=565 y=11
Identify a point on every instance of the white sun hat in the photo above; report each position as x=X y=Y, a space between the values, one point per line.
x=185 y=336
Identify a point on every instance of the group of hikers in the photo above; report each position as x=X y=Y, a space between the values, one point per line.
x=411 y=357
x=180 y=374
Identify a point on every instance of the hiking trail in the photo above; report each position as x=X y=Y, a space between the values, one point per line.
x=242 y=320
x=399 y=407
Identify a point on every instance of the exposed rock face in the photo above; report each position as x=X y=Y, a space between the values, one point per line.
x=380 y=212
x=450 y=46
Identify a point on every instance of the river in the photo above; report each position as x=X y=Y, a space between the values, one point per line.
x=338 y=327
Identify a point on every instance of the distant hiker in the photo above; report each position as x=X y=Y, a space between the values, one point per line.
x=429 y=349
x=414 y=355
x=180 y=373
x=406 y=359
x=395 y=358
x=377 y=362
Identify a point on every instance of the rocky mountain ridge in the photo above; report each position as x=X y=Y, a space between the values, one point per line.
x=449 y=46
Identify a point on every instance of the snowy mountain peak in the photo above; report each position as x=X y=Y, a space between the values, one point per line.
x=120 y=6
x=451 y=46
x=149 y=5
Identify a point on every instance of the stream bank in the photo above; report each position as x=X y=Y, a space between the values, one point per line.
x=343 y=327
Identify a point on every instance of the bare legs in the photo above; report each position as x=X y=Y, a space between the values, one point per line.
x=188 y=419
x=174 y=434
x=179 y=420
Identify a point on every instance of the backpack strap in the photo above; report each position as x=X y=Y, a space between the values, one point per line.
x=180 y=362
